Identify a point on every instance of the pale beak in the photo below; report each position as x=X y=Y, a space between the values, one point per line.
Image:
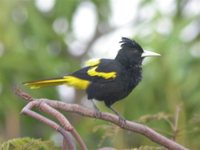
x=149 y=54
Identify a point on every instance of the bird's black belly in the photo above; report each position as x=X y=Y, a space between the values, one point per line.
x=107 y=92
x=114 y=90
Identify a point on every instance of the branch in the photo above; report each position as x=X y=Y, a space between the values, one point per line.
x=128 y=125
x=63 y=121
x=27 y=110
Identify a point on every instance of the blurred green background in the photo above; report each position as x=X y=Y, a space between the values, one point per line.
x=49 y=38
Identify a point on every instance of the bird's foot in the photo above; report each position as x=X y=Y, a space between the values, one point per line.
x=97 y=114
x=97 y=111
x=122 y=122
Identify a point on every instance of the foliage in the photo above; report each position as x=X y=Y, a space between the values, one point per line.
x=27 y=144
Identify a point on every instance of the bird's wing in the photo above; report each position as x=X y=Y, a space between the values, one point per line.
x=99 y=70
x=106 y=69
x=92 y=62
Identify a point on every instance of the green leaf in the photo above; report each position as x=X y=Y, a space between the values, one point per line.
x=27 y=144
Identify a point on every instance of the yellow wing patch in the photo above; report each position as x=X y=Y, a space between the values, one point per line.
x=76 y=82
x=92 y=62
x=106 y=75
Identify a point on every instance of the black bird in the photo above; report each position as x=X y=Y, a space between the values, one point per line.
x=107 y=80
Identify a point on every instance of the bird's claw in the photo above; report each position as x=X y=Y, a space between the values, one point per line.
x=122 y=122
x=97 y=114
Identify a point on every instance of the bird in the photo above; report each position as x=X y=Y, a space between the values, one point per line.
x=107 y=80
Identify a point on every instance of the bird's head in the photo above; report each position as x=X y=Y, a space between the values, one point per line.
x=131 y=53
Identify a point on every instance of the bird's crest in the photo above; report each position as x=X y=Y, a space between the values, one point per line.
x=126 y=42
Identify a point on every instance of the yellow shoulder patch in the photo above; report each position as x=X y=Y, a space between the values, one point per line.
x=92 y=62
x=105 y=75
x=76 y=82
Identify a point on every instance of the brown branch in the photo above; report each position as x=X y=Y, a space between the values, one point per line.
x=128 y=125
x=64 y=122
x=27 y=110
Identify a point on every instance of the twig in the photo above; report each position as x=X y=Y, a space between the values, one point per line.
x=27 y=110
x=175 y=125
x=64 y=122
x=128 y=125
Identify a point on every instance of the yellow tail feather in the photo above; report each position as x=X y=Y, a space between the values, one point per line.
x=44 y=83
x=69 y=80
